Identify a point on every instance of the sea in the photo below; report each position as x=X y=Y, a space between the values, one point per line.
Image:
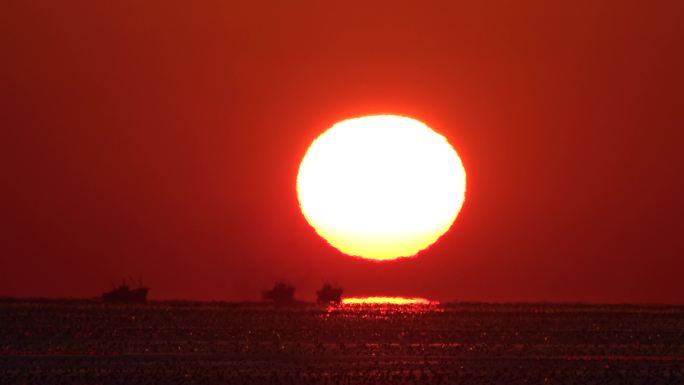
x=179 y=342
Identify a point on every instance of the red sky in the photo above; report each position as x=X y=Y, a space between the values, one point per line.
x=162 y=141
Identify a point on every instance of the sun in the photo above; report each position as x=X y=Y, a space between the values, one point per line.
x=381 y=187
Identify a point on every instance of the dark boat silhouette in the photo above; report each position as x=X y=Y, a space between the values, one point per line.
x=281 y=293
x=329 y=294
x=125 y=294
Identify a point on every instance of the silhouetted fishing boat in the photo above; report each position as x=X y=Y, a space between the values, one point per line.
x=281 y=293
x=125 y=293
x=329 y=294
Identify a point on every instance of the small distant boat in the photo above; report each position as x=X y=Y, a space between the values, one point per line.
x=329 y=294
x=125 y=294
x=281 y=293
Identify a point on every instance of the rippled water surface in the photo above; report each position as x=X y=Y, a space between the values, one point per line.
x=77 y=342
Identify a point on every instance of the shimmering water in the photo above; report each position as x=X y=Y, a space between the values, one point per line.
x=70 y=342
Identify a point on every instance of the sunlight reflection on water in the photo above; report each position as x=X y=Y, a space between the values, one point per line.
x=387 y=301
x=382 y=307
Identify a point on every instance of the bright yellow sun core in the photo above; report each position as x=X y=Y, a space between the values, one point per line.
x=381 y=187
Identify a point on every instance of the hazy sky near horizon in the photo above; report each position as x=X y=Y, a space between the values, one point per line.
x=161 y=140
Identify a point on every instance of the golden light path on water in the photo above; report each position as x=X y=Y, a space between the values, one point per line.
x=378 y=300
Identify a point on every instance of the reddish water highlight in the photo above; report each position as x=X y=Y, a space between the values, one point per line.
x=619 y=358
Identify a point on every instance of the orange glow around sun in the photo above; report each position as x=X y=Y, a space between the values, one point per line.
x=381 y=187
x=387 y=301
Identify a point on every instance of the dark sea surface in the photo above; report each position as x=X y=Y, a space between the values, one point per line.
x=87 y=342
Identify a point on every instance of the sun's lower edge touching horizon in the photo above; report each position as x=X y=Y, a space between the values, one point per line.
x=381 y=187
